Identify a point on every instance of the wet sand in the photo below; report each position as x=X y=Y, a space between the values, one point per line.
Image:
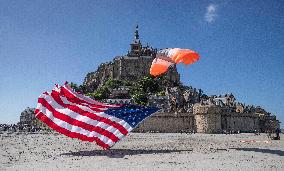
x=143 y=151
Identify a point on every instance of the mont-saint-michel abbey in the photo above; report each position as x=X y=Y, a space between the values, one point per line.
x=130 y=67
x=182 y=108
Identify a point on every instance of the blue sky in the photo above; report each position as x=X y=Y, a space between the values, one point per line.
x=241 y=44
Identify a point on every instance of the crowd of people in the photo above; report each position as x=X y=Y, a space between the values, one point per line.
x=18 y=128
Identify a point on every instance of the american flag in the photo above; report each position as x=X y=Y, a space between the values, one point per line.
x=78 y=116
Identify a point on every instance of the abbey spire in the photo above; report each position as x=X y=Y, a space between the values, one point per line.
x=136 y=35
x=135 y=46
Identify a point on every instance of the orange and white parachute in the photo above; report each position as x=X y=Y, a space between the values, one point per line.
x=170 y=56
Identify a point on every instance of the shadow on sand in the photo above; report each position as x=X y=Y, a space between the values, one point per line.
x=260 y=150
x=120 y=153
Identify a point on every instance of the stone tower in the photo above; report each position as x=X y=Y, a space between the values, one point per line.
x=135 y=46
x=207 y=118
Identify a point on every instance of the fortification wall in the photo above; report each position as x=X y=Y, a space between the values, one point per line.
x=167 y=122
x=240 y=122
x=211 y=119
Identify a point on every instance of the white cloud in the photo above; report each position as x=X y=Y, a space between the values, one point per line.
x=211 y=13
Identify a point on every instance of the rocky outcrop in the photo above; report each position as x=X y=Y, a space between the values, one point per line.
x=27 y=116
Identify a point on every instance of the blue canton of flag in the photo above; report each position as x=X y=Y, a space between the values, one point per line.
x=132 y=114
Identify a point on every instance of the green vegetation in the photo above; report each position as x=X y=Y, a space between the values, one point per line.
x=101 y=93
x=77 y=88
x=145 y=87
x=113 y=83
x=139 y=90
x=161 y=93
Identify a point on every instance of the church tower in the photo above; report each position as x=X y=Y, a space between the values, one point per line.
x=135 y=46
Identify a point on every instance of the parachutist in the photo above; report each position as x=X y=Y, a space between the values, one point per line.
x=170 y=56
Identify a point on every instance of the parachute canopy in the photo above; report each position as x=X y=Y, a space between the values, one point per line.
x=171 y=56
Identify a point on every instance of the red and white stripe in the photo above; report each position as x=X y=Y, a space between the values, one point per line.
x=78 y=116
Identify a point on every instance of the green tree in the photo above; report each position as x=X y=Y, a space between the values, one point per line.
x=74 y=86
x=100 y=93
x=140 y=98
x=113 y=83
x=143 y=88
x=81 y=88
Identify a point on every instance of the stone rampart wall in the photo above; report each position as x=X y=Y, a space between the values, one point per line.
x=240 y=123
x=167 y=122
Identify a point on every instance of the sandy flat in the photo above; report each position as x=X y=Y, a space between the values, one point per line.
x=149 y=151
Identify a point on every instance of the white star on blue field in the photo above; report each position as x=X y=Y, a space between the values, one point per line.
x=132 y=114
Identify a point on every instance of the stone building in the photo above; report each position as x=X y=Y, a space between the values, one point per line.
x=129 y=67
x=27 y=116
x=120 y=92
x=227 y=99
